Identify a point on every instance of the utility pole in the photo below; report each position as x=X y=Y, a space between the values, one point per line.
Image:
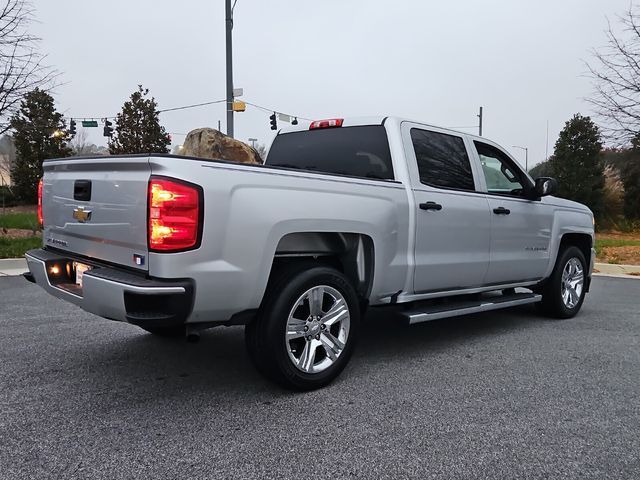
x=526 y=157
x=229 y=24
x=253 y=142
x=480 y=117
x=546 y=153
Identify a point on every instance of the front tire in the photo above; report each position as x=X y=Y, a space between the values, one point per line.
x=564 y=292
x=306 y=329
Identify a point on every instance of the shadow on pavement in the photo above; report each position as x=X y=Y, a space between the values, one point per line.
x=145 y=365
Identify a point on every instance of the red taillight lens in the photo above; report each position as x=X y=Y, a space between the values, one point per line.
x=330 y=123
x=40 y=216
x=174 y=215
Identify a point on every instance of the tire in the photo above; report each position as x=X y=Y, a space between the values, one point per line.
x=167 y=332
x=564 y=291
x=319 y=309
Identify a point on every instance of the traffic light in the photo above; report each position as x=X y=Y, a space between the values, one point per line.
x=72 y=127
x=274 y=123
x=108 y=128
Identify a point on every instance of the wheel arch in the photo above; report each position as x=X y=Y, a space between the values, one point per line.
x=351 y=253
x=583 y=241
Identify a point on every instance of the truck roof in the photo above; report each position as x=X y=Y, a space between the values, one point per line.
x=373 y=120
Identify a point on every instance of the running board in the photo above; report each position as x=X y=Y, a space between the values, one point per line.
x=495 y=302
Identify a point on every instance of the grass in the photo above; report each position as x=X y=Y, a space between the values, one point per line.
x=615 y=242
x=25 y=220
x=16 y=247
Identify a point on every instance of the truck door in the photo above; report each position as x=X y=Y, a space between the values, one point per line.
x=520 y=226
x=452 y=218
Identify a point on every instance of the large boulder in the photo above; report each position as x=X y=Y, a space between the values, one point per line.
x=210 y=143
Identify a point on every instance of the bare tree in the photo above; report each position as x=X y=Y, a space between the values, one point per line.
x=616 y=78
x=79 y=142
x=262 y=151
x=82 y=147
x=22 y=67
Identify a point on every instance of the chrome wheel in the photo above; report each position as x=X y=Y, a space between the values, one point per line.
x=572 y=283
x=317 y=329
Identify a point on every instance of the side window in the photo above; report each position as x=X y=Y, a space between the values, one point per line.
x=442 y=160
x=500 y=176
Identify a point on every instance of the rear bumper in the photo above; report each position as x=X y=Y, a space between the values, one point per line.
x=114 y=293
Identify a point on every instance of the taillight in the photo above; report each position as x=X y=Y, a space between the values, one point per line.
x=330 y=123
x=40 y=216
x=175 y=215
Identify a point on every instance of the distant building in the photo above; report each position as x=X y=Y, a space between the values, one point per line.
x=5 y=169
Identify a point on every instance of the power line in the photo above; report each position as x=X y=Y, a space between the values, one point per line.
x=194 y=105
x=97 y=117
x=189 y=106
x=270 y=110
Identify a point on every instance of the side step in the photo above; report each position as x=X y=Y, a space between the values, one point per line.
x=454 y=309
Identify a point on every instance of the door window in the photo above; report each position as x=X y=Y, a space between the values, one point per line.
x=501 y=176
x=442 y=160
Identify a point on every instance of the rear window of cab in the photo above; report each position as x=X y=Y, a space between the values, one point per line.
x=361 y=151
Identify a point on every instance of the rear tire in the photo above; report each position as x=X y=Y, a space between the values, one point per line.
x=306 y=328
x=564 y=291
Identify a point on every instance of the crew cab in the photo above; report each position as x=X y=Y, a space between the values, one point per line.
x=345 y=215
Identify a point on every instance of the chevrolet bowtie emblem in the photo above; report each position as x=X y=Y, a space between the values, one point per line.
x=81 y=215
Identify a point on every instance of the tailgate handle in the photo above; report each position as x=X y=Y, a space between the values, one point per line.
x=82 y=190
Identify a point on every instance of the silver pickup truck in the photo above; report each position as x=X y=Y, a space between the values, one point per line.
x=346 y=215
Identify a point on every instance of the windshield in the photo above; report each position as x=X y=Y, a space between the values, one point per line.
x=354 y=151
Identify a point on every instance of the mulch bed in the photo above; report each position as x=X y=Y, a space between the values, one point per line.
x=18 y=233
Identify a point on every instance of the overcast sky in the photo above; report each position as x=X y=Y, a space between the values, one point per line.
x=433 y=61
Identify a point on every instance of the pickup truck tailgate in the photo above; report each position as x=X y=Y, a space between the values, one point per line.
x=97 y=207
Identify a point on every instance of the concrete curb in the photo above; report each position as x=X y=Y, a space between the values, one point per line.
x=10 y=267
x=613 y=269
x=613 y=275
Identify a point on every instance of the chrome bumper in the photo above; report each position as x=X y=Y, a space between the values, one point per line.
x=115 y=294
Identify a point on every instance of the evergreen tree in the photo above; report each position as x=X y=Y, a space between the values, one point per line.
x=39 y=133
x=138 y=128
x=578 y=165
x=543 y=169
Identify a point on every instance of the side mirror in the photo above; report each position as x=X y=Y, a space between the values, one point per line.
x=546 y=186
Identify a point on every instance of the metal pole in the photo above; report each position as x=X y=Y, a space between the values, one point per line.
x=229 y=24
x=546 y=153
x=480 y=117
x=526 y=156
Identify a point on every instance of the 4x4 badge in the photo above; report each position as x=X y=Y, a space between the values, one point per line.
x=81 y=215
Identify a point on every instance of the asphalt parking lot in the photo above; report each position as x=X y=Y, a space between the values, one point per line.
x=497 y=395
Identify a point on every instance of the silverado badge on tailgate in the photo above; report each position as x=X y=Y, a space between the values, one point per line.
x=82 y=215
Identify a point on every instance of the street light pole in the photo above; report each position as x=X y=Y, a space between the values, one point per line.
x=526 y=157
x=229 y=27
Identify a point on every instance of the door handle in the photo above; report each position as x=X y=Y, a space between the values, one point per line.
x=501 y=211
x=430 y=206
